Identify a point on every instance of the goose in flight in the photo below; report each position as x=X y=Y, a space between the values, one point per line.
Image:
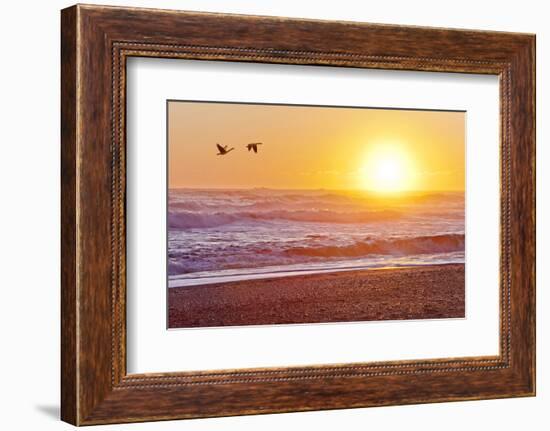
x=253 y=146
x=223 y=150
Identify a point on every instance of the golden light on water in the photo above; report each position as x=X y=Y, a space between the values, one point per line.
x=387 y=168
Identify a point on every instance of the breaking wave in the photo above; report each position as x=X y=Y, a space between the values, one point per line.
x=397 y=246
x=190 y=220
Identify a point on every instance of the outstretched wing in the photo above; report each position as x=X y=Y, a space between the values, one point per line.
x=220 y=148
x=255 y=148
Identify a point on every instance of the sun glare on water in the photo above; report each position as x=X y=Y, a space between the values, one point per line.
x=387 y=170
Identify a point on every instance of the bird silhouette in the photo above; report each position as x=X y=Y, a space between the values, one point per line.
x=223 y=150
x=253 y=146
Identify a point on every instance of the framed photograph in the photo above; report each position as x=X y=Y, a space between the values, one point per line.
x=290 y=229
x=266 y=215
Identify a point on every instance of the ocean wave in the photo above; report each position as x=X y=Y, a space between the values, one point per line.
x=190 y=219
x=260 y=255
x=213 y=230
x=444 y=243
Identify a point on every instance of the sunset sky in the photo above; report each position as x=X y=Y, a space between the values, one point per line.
x=306 y=147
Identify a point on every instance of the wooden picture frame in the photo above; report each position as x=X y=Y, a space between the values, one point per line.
x=95 y=43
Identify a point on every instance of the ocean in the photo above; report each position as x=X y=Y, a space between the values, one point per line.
x=229 y=235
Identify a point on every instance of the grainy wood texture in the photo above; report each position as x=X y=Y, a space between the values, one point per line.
x=68 y=217
x=96 y=41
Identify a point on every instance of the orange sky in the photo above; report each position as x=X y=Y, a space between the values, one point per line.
x=315 y=147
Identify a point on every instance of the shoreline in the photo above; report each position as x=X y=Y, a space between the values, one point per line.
x=282 y=273
x=412 y=292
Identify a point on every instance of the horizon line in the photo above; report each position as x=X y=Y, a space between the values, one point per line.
x=319 y=189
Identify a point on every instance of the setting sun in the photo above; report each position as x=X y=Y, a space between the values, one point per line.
x=387 y=169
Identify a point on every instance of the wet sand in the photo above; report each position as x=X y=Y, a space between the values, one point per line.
x=427 y=292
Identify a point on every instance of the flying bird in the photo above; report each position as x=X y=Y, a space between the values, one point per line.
x=223 y=150
x=253 y=146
